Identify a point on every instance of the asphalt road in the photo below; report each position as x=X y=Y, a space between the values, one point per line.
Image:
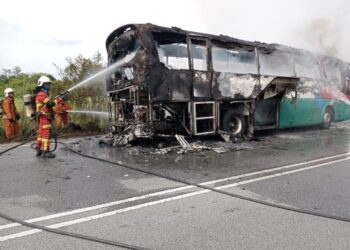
x=300 y=168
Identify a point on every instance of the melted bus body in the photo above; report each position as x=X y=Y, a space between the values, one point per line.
x=169 y=81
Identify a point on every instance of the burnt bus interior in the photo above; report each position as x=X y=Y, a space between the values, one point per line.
x=267 y=104
x=169 y=81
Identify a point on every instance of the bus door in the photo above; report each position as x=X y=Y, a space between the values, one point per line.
x=268 y=104
x=199 y=60
x=202 y=110
x=345 y=113
x=346 y=83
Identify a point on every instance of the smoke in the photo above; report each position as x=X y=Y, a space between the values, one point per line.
x=318 y=26
x=325 y=30
x=326 y=36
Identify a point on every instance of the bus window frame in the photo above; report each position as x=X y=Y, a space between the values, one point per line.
x=185 y=42
x=208 y=52
x=265 y=69
x=236 y=47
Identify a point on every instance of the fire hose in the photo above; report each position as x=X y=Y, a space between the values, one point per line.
x=58 y=231
x=279 y=206
x=62 y=232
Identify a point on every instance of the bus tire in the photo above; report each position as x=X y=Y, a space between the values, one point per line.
x=327 y=118
x=234 y=123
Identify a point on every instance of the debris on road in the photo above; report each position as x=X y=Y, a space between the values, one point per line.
x=186 y=147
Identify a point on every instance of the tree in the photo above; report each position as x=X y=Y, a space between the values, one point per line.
x=81 y=67
x=6 y=72
x=16 y=71
x=88 y=96
x=78 y=69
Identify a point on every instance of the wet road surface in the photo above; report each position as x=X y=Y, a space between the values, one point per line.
x=301 y=168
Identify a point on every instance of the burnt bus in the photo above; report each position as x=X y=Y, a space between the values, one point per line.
x=168 y=81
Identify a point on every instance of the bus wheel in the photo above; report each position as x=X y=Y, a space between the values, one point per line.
x=327 y=118
x=234 y=123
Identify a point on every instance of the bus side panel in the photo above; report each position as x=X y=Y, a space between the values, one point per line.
x=238 y=86
x=170 y=85
x=302 y=112
x=180 y=86
x=158 y=84
x=346 y=110
x=341 y=111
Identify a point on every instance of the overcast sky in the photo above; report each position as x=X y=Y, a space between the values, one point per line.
x=35 y=34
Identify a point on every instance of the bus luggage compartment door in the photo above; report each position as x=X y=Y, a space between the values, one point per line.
x=203 y=117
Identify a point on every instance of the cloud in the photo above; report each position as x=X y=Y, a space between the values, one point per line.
x=32 y=53
x=10 y=35
x=39 y=33
x=69 y=28
x=7 y=28
x=54 y=41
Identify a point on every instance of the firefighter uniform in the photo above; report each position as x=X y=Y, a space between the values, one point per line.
x=61 y=116
x=45 y=117
x=10 y=118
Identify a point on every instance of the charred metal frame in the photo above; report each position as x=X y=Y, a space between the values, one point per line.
x=149 y=98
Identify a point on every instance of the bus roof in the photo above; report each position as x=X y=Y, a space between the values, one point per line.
x=151 y=27
x=148 y=27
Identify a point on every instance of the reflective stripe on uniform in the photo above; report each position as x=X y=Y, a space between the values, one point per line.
x=46 y=100
x=45 y=144
x=39 y=106
x=46 y=126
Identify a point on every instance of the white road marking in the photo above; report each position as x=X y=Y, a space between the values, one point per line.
x=86 y=209
x=127 y=209
x=282 y=173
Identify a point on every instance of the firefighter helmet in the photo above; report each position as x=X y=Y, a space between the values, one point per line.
x=7 y=91
x=42 y=80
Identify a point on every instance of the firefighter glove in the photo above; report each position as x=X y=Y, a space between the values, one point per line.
x=50 y=104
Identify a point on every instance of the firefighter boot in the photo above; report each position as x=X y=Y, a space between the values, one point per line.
x=38 y=152
x=48 y=154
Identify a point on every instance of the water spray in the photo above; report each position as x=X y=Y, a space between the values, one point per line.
x=90 y=112
x=107 y=70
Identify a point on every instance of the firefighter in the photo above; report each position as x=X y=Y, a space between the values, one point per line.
x=11 y=116
x=45 y=116
x=61 y=115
